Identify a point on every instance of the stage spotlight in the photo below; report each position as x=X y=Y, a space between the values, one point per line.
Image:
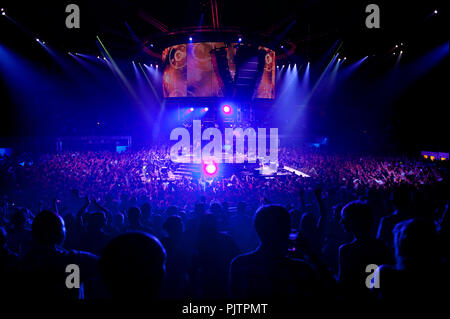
x=210 y=168
x=226 y=109
x=282 y=46
x=205 y=109
x=157 y=66
x=151 y=45
x=37 y=40
x=240 y=40
x=191 y=109
x=435 y=11
x=190 y=39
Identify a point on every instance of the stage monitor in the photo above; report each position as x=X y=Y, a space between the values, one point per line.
x=192 y=70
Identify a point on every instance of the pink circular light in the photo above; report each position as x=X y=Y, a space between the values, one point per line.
x=210 y=168
x=226 y=109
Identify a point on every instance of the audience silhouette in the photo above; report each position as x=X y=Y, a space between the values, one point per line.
x=132 y=266
x=267 y=272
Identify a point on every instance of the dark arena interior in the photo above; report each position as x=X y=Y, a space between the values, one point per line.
x=224 y=159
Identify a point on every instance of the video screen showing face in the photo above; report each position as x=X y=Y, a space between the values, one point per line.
x=190 y=71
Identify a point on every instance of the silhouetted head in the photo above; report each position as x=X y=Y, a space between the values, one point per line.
x=208 y=224
x=132 y=201
x=132 y=266
x=402 y=197
x=134 y=216
x=225 y=207
x=19 y=218
x=146 y=210
x=199 y=209
x=241 y=208
x=357 y=218
x=216 y=209
x=171 y=210
x=308 y=223
x=295 y=218
x=118 y=220
x=416 y=242
x=96 y=221
x=75 y=193
x=173 y=226
x=273 y=226
x=48 y=229
x=156 y=221
x=2 y=237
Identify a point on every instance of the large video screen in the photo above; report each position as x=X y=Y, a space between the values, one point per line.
x=190 y=72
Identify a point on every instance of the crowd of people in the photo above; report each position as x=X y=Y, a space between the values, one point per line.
x=135 y=232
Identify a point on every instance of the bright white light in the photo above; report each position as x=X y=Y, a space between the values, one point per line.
x=210 y=168
x=226 y=109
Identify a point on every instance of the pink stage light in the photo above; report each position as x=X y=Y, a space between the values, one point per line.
x=226 y=109
x=210 y=169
